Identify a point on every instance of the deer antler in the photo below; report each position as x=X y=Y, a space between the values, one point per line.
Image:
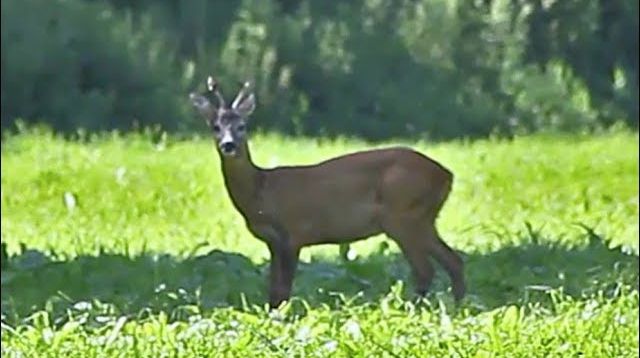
x=244 y=91
x=212 y=86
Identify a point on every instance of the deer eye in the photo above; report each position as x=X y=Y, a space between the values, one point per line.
x=241 y=128
x=216 y=128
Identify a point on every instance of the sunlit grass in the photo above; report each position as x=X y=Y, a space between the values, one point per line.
x=123 y=246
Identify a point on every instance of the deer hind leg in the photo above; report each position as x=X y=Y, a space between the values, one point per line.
x=419 y=240
x=416 y=251
x=421 y=266
x=450 y=260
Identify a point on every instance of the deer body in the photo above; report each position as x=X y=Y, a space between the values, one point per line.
x=396 y=191
x=340 y=200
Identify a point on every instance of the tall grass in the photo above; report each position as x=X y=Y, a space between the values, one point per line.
x=127 y=246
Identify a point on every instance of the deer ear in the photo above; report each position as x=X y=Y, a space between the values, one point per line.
x=245 y=106
x=202 y=104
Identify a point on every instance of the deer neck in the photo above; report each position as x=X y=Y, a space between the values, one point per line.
x=243 y=180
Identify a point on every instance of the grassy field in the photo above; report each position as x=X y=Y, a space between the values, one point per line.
x=123 y=246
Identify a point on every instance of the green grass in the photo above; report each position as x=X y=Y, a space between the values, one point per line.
x=150 y=259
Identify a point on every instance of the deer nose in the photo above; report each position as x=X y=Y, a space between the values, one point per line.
x=228 y=147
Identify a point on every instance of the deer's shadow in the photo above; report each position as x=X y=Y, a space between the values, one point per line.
x=33 y=280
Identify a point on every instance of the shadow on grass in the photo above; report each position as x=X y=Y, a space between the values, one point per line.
x=32 y=281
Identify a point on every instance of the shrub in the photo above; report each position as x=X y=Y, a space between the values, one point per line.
x=80 y=65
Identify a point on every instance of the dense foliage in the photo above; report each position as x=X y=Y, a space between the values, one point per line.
x=374 y=68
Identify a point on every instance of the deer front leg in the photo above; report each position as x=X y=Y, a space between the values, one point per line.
x=284 y=260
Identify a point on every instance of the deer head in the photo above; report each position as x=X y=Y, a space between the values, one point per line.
x=228 y=123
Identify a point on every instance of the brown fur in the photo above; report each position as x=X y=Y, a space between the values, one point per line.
x=396 y=191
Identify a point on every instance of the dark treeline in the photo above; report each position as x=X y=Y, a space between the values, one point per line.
x=372 y=68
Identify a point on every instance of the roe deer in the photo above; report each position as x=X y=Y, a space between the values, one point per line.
x=396 y=191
